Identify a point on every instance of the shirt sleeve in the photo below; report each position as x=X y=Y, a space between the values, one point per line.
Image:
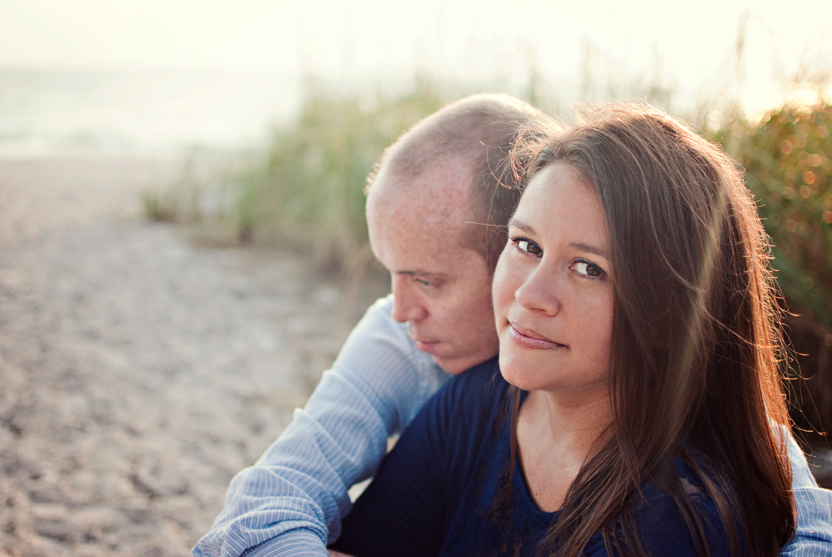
x=292 y=500
x=813 y=535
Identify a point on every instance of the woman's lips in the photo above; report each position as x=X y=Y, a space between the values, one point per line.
x=531 y=339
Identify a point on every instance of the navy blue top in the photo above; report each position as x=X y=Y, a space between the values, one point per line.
x=441 y=491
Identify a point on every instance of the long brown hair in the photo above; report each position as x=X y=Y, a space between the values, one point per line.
x=697 y=342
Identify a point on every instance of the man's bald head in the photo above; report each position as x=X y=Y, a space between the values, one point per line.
x=460 y=153
x=437 y=216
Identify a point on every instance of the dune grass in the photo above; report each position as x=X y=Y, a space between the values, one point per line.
x=308 y=188
x=305 y=189
x=787 y=157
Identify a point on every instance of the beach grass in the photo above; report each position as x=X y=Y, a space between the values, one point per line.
x=787 y=157
x=308 y=187
x=305 y=190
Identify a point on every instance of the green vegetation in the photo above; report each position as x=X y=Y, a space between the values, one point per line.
x=181 y=200
x=788 y=162
x=787 y=157
x=309 y=187
x=306 y=189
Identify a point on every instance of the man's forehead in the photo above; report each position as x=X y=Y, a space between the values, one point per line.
x=449 y=178
x=423 y=207
x=410 y=241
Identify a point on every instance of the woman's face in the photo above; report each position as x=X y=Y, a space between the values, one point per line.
x=553 y=293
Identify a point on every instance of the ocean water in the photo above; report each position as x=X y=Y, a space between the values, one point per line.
x=146 y=113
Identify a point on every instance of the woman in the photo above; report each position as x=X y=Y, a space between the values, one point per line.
x=641 y=410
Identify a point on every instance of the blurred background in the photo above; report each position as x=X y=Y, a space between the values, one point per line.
x=158 y=158
x=155 y=77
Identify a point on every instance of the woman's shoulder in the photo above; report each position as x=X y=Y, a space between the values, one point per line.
x=663 y=509
x=663 y=526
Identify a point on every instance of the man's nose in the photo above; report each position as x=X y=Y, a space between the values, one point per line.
x=407 y=305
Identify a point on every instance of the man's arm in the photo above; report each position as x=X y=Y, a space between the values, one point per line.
x=813 y=537
x=292 y=500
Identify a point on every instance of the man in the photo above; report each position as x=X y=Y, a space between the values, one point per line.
x=436 y=217
x=437 y=220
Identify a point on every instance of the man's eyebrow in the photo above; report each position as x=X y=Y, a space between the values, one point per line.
x=419 y=273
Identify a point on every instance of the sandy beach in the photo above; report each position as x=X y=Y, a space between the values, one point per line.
x=140 y=371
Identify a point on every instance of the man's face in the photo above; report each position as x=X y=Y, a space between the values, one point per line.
x=442 y=290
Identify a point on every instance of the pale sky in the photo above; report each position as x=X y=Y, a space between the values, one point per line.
x=691 y=44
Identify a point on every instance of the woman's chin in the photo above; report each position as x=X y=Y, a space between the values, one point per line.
x=521 y=377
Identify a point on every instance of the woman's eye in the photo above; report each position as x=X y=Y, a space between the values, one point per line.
x=588 y=269
x=528 y=246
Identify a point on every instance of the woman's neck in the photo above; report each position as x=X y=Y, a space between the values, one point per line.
x=556 y=434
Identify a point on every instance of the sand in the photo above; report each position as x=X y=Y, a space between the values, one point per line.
x=139 y=371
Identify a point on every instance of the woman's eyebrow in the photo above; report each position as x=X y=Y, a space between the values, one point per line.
x=527 y=228
x=589 y=249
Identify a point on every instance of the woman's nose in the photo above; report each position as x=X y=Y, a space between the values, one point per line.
x=540 y=291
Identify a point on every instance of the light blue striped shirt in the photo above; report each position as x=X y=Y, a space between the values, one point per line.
x=290 y=503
